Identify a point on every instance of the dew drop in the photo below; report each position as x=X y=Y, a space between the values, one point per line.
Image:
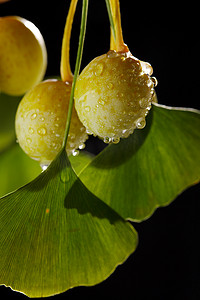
x=87 y=108
x=75 y=152
x=101 y=102
x=146 y=68
x=99 y=69
x=115 y=140
x=28 y=140
x=31 y=130
x=155 y=81
x=112 y=54
x=42 y=131
x=143 y=102
x=89 y=132
x=81 y=146
x=107 y=140
x=110 y=85
x=44 y=167
x=64 y=175
x=140 y=124
x=33 y=116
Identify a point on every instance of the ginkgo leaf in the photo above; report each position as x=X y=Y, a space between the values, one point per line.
x=16 y=169
x=151 y=167
x=8 y=107
x=55 y=234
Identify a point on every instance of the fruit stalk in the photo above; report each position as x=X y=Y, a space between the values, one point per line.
x=116 y=41
x=77 y=66
x=65 y=69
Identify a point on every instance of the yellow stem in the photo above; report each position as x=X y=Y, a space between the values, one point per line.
x=65 y=69
x=117 y=44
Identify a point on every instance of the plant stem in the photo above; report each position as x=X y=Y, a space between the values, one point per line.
x=77 y=66
x=116 y=41
x=65 y=69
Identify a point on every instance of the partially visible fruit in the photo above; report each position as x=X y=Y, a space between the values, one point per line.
x=23 y=55
x=41 y=120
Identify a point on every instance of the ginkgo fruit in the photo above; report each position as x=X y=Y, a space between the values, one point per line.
x=113 y=95
x=41 y=120
x=23 y=55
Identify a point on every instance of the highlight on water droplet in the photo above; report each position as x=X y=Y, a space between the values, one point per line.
x=99 y=69
x=75 y=152
x=81 y=146
x=146 y=68
x=44 y=167
x=115 y=140
x=28 y=140
x=155 y=81
x=87 y=108
x=31 y=130
x=42 y=131
x=33 y=116
x=107 y=140
x=141 y=123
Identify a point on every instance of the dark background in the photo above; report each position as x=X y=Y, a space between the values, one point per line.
x=166 y=262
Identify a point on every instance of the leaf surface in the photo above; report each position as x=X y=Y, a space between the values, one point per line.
x=55 y=234
x=8 y=107
x=16 y=169
x=151 y=167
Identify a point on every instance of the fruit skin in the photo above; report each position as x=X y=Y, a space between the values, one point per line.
x=41 y=119
x=23 y=55
x=113 y=95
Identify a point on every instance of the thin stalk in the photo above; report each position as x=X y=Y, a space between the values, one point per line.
x=77 y=66
x=65 y=69
x=116 y=41
x=112 y=26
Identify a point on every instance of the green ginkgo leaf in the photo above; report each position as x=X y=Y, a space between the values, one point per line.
x=55 y=234
x=8 y=107
x=151 y=167
x=16 y=169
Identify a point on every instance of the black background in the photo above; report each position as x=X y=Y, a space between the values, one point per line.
x=166 y=262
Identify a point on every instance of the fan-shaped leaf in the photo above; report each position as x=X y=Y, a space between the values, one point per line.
x=55 y=234
x=151 y=167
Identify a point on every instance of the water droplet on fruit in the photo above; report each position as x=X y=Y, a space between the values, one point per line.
x=28 y=140
x=110 y=85
x=140 y=124
x=81 y=146
x=155 y=81
x=33 y=116
x=31 y=130
x=107 y=140
x=88 y=132
x=44 y=167
x=99 y=69
x=75 y=152
x=143 y=102
x=42 y=119
x=112 y=54
x=87 y=108
x=42 y=131
x=146 y=68
x=115 y=140
x=101 y=102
